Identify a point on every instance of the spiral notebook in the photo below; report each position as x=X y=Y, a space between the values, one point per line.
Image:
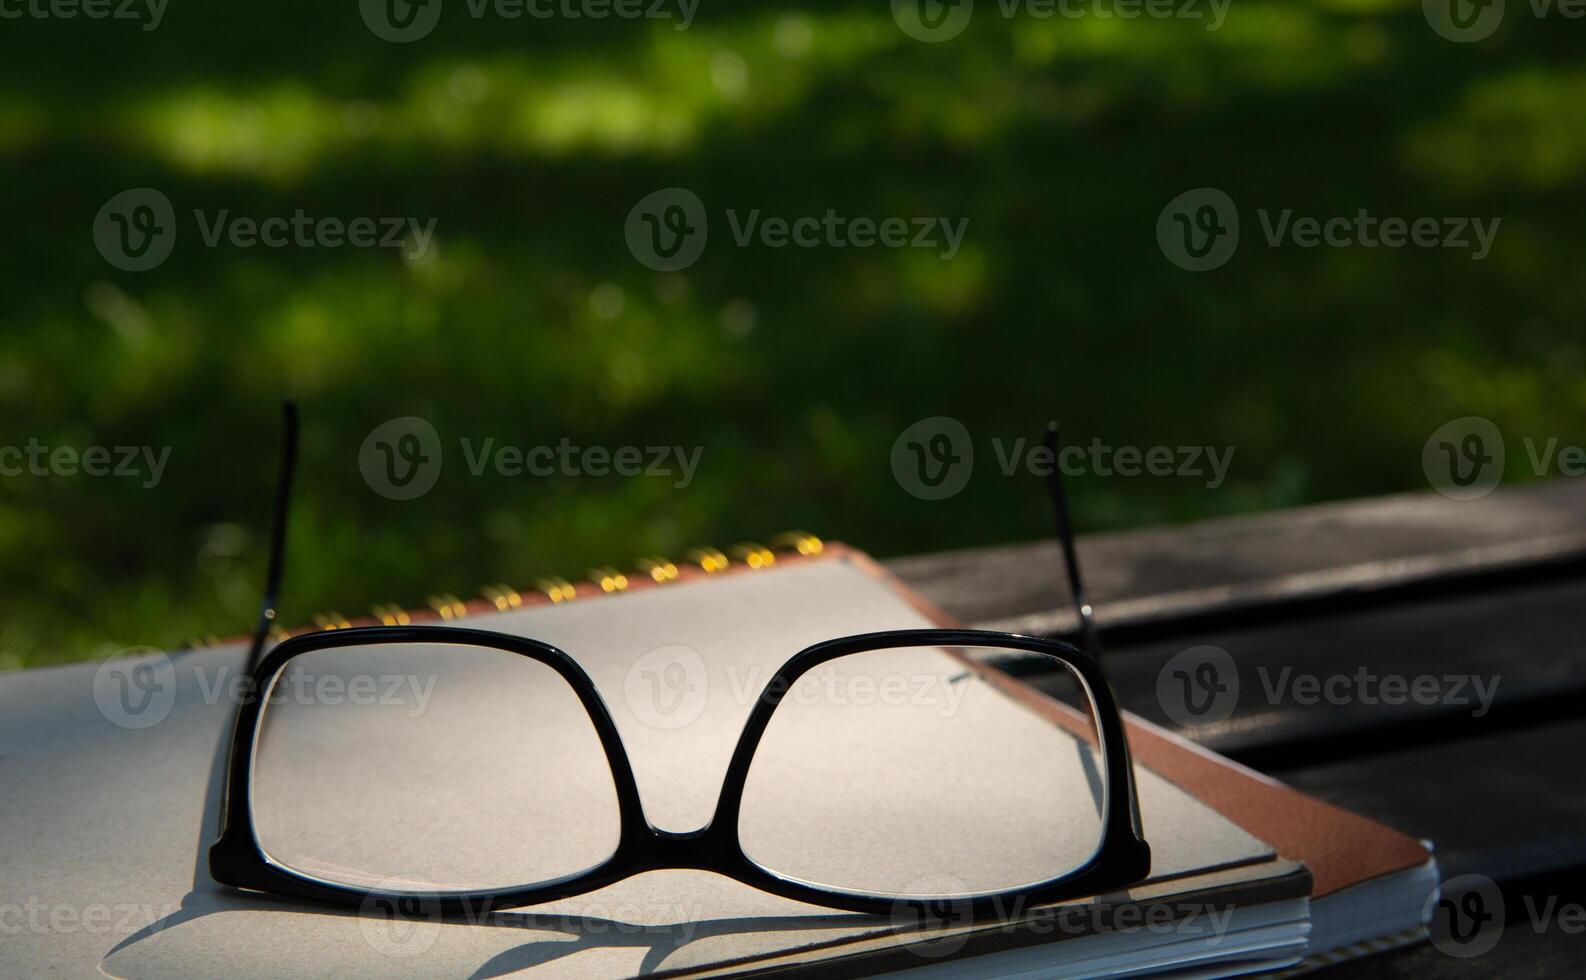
x=1243 y=863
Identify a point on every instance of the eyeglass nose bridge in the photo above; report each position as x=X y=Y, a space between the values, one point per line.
x=711 y=848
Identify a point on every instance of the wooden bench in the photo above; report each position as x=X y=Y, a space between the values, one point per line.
x=1406 y=585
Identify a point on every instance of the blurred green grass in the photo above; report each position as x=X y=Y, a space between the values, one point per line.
x=794 y=369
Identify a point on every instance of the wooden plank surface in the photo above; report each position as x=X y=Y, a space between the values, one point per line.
x=1143 y=576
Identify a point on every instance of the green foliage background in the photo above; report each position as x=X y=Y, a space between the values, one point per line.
x=529 y=141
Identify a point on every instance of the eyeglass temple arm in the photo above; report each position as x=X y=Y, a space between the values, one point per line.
x=283 y=495
x=1065 y=535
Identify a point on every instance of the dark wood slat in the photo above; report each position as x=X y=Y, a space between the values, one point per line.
x=1147 y=576
x=1527 y=642
x=1509 y=806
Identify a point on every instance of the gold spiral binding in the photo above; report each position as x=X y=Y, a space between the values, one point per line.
x=753 y=555
x=503 y=597
x=802 y=542
x=609 y=579
x=447 y=606
x=556 y=589
x=390 y=614
x=659 y=569
x=708 y=558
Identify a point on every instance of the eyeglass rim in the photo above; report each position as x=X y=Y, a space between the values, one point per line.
x=1121 y=858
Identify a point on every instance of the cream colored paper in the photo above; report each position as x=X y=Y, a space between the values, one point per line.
x=103 y=830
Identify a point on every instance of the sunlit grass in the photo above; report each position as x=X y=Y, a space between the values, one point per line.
x=528 y=321
x=1523 y=130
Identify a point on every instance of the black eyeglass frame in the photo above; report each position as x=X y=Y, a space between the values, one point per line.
x=1122 y=857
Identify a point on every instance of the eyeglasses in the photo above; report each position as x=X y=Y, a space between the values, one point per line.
x=333 y=799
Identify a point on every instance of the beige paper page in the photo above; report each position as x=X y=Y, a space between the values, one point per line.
x=95 y=815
